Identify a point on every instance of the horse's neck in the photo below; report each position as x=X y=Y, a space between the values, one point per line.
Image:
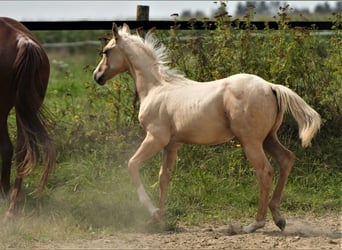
x=145 y=74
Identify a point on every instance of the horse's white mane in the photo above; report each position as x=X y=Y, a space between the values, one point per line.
x=154 y=48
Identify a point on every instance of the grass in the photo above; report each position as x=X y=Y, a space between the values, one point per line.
x=96 y=131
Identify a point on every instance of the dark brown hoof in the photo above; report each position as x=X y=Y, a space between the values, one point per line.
x=281 y=224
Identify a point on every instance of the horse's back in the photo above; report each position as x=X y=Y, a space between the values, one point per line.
x=212 y=112
x=15 y=38
x=13 y=34
x=247 y=82
x=248 y=89
x=14 y=26
x=8 y=53
x=8 y=44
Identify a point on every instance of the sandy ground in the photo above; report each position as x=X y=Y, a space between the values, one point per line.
x=323 y=232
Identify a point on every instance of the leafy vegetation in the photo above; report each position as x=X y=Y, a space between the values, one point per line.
x=96 y=131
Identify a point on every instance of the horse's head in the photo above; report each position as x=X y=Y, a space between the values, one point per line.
x=113 y=60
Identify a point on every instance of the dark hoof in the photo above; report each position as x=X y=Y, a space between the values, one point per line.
x=281 y=224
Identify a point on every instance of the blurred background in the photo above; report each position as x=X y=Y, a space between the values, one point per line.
x=126 y=10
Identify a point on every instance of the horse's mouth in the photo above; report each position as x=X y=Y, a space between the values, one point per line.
x=100 y=80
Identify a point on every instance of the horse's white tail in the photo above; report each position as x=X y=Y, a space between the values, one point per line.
x=309 y=121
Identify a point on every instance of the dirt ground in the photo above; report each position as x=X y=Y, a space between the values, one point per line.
x=309 y=232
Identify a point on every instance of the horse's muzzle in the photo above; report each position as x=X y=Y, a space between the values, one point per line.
x=99 y=78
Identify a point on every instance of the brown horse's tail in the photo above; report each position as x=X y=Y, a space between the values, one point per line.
x=34 y=142
x=307 y=118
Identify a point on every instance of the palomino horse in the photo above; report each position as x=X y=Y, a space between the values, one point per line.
x=24 y=75
x=174 y=110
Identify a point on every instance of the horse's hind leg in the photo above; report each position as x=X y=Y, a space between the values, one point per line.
x=285 y=160
x=20 y=156
x=14 y=196
x=169 y=158
x=149 y=147
x=264 y=172
x=6 y=151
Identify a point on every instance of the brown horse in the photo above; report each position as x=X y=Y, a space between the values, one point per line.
x=24 y=75
x=174 y=110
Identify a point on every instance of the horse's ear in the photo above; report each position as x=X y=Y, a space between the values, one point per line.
x=126 y=28
x=115 y=31
x=151 y=31
x=140 y=32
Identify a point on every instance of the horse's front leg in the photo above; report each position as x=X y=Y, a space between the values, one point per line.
x=166 y=169
x=148 y=148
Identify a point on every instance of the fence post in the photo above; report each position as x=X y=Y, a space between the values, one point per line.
x=143 y=12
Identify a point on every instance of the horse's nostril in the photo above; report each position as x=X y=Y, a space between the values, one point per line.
x=99 y=79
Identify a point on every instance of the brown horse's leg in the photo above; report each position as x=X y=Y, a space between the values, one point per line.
x=6 y=151
x=285 y=160
x=149 y=147
x=264 y=172
x=20 y=155
x=169 y=158
x=14 y=196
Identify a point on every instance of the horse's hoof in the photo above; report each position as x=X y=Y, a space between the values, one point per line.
x=254 y=226
x=281 y=224
x=7 y=218
x=156 y=217
x=152 y=221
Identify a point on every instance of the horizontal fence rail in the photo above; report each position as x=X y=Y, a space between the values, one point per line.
x=71 y=44
x=165 y=25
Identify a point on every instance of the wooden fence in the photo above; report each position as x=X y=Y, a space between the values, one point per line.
x=165 y=25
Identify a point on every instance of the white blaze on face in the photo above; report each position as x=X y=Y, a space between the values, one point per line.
x=22 y=39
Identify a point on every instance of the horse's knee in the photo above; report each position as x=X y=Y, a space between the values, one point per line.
x=133 y=167
x=130 y=166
